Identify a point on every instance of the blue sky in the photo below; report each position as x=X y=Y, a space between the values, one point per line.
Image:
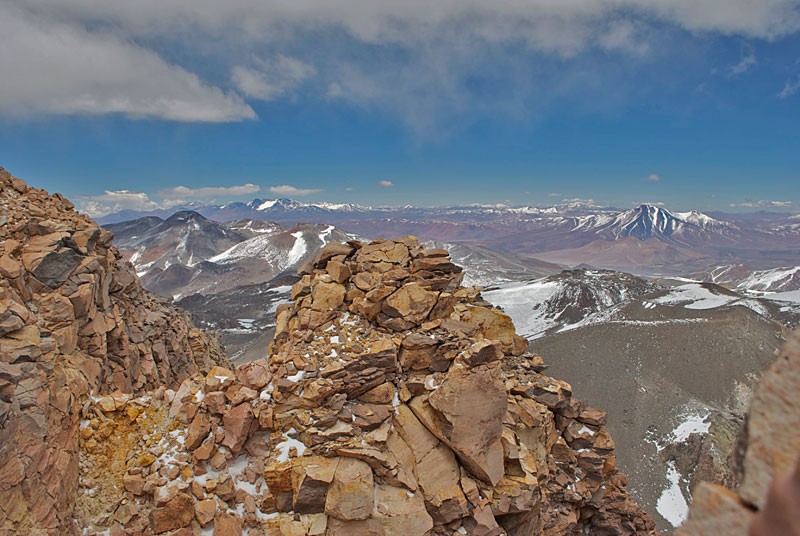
x=152 y=103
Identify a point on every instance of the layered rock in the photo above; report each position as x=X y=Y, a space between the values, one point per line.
x=394 y=401
x=74 y=323
x=771 y=444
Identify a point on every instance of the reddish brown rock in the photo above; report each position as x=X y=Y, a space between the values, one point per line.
x=205 y=511
x=176 y=514
x=239 y=423
x=226 y=524
x=197 y=432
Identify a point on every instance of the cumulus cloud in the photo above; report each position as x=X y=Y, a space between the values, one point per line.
x=654 y=177
x=57 y=68
x=114 y=201
x=763 y=203
x=272 y=79
x=385 y=184
x=292 y=191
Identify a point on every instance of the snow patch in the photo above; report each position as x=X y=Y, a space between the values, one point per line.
x=672 y=504
x=694 y=296
x=298 y=249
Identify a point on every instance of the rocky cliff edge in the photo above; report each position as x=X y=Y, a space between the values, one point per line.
x=75 y=324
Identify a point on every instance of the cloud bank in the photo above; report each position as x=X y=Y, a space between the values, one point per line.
x=423 y=63
x=292 y=191
x=112 y=201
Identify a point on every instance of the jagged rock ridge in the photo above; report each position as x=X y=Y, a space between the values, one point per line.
x=74 y=323
x=394 y=401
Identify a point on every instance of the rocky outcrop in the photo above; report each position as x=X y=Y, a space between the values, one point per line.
x=74 y=324
x=772 y=444
x=394 y=401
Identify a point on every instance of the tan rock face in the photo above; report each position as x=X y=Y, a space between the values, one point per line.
x=351 y=494
x=74 y=322
x=772 y=446
x=466 y=408
x=410 y=302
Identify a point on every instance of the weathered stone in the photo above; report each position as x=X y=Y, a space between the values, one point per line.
x=438 y=477
x=482 y=352
x=410 y=302
x=400 y=512
x=255 y=374
x=416 y=351
x=327 y=297
x=205 y=511
x=496 y=325
x=311 y=479
x=219 y=378
x=351 y=494
x=197 y=432
x=773 y=425
x=226 y=524
x=716 y=510
x=56 y=266
x=239 y=423
x=332 y=249
x=176 y=514
x=471 y=406
x=382 y=394
x=338 y=271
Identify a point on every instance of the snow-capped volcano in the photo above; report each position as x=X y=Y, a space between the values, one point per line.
x=645 y=222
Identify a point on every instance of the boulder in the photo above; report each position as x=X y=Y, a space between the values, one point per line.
x=410 y=302
x=351 y=494
x=176 y=514
x=239 y=423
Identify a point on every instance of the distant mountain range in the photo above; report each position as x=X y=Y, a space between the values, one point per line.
x=646 y=240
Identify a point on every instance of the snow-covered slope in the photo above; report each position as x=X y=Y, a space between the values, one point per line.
x=746 y=279
x=185 y=238
x=567 y=299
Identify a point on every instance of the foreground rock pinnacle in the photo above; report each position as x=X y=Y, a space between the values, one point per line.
x=394 y=402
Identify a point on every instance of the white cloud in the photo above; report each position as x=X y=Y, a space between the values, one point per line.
x=385 y=184
x=762 y=203
x=747 y=62
x=271 y=79
x=426 y=64
x=115 y=201
x=790 y=88
x=56 y=68
x=654 y=177
x=289 y=190
x=209 y=192
x=554 y=194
